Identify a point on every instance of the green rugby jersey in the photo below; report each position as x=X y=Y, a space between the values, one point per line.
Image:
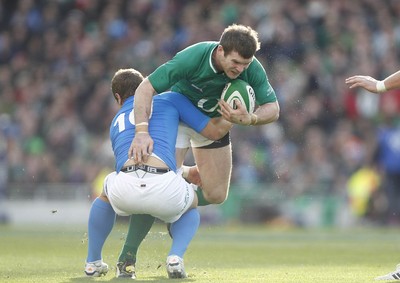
x=192 y=73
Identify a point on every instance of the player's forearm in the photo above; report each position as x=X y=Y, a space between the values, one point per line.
x=267 y=113
x=392 y=81
x=142 y=103
x=216 y=128
x=222 y=127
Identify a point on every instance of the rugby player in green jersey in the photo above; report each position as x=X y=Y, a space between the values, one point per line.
x=200 y=72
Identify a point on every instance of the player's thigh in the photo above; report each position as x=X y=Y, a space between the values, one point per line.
x=183 y=142
x=180 y=156
x=215 y=167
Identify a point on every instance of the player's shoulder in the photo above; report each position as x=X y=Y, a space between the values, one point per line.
x=203 y=46
x=255 y=73
x=256 y=65
x=193 y=56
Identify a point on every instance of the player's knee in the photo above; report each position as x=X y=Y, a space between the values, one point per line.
x=215 y=197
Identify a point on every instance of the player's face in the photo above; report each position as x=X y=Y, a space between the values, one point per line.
x=233 y=64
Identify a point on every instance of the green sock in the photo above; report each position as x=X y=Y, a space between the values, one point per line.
x=201 y=198
x=139 y=226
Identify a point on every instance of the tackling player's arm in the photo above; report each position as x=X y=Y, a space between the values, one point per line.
x=216 y=128
x=142 y=145
x=142 y=101
x=160 y=80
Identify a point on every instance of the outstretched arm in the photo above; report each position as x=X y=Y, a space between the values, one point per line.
x=373 y=85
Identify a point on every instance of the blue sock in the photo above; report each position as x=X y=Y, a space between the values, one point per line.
x=101 y=222
x=183 y=231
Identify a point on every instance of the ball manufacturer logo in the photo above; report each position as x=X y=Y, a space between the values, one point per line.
x=252 y=97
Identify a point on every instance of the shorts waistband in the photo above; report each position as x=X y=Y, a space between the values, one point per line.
x=147 y=168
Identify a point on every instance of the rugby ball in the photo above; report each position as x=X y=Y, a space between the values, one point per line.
x=239 y=90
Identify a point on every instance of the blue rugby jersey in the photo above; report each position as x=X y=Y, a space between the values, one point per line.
x=167 y=109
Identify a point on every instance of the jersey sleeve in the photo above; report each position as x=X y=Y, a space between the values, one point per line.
x=258 y=79
x=188 y=113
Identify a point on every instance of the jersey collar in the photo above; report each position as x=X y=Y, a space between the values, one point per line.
x=210 y=61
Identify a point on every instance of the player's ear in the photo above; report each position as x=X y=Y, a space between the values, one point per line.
x=221 y=50
x=118 y=98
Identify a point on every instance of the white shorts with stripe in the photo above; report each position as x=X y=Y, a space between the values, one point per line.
x=165 y=196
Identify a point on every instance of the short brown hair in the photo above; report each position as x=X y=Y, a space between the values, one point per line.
x=125 y=82
x=240 y=38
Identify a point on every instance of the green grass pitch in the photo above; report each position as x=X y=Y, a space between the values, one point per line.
x=217 y=254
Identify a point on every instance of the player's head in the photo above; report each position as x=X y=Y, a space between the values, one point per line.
x=124 y=84
x=237 y=47
x=242 y=39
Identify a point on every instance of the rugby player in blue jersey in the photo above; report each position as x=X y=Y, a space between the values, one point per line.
x=153 y=187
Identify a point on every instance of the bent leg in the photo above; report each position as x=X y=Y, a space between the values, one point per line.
x=215 y=167
x=183 y=231
x=139 y=226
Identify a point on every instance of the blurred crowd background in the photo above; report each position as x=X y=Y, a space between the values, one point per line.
x=57 y=59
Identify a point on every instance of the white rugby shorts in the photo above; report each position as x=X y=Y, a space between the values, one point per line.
x=165 y=196
x=187 y=137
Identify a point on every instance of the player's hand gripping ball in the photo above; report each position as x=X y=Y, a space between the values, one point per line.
x=239 y=90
